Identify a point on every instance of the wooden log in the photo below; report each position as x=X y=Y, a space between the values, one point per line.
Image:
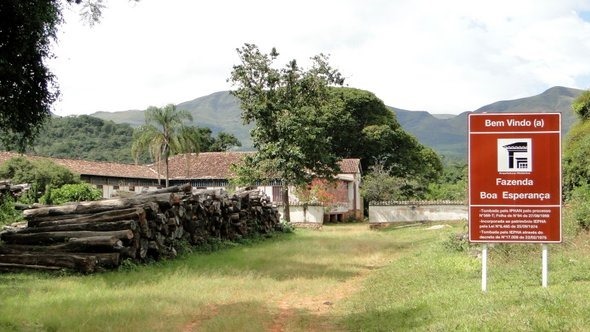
x=78 y=208
x=106 y=260
x=97 y=206
x=134 y=244
x=174 y=189
x=69 y=261
x=128 y=252
x=97 y=244
x=163 y=199
x=10 y=267
x=21 y=206
x=124 y=214
x=143 y=248
x=111 y=260
x=84 y=226
x=56 y=237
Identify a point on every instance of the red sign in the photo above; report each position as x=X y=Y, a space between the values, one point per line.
x=515 y=177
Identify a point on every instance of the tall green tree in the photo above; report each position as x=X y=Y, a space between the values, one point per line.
x=223 y=142
x=369 y=130
x=290 y=110
x=27 y=87
x=165 y=134
x=452 y=185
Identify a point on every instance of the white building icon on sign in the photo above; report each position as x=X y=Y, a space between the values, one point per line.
x=515 y=155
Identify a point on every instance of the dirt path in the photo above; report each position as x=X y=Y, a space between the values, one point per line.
x=194 y=325
x=317 y=309
x=320 y=307
x=301 y=304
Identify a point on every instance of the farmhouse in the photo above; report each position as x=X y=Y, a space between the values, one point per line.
x=209 y=170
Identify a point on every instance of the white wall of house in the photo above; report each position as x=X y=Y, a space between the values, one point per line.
x=311 y=214
x=267 y=190
x=109 y=191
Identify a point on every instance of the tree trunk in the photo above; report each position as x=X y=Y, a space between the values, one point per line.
x=78 y=208
x=84 y=226
x=15 y=267
x=166 y=152
x=94 y=242
x=108 y=216
x=186 y=188
x=98 y=206
x=107 y=259
x=70 y=261
x=286 y=213
x=85 y=244
x=57 y=237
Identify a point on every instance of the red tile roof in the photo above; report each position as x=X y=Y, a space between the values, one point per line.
x=100 y=168
x=350 y=166
x=97 y=168
x=216 y=165
x=205 y=165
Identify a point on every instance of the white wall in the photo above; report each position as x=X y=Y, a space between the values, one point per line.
x=411 y=213
x=313 y=214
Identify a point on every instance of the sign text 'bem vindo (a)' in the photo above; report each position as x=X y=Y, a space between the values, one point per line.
x=515 y=177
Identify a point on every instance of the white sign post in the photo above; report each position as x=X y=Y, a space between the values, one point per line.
x=544 y=267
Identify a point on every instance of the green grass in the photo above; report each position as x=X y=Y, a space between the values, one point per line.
x=344 y=277
x=433 y=289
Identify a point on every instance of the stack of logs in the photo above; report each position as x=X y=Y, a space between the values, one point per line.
x=94 y=236
x=15 y=190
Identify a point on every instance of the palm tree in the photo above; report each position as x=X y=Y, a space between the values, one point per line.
x=164 y=134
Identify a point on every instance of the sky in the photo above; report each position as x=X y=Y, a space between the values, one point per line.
x=444 y=57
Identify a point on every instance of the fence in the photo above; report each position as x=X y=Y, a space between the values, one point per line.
x=416 y=211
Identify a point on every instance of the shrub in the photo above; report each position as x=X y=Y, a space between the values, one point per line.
x=71 y=193
x=576 y=169
x=578 y=212
x=8 y=214
x=457 y=242
x=42 y=174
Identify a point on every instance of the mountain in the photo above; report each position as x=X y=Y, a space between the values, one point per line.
x=219 y=111
x=447 y=134
x=554 y=100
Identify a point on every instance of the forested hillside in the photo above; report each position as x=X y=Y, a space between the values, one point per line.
x=85 y=137
x=90 y=138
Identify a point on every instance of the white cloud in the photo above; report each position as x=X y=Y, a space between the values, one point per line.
x=449 y=56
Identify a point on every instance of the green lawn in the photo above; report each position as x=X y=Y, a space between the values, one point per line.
x=344 y=277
